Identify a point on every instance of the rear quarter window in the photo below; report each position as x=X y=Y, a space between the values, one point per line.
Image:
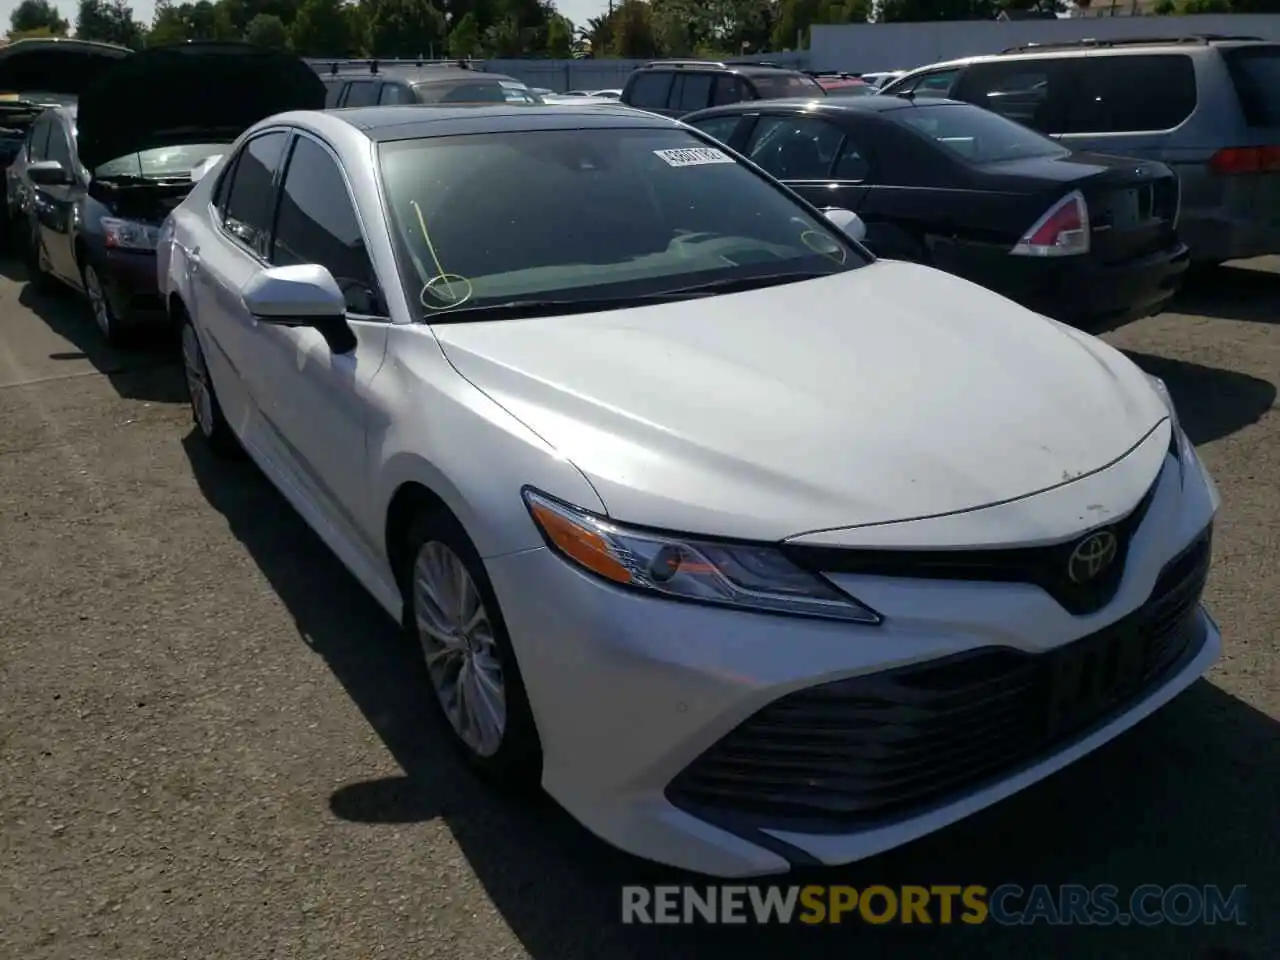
x=1255 y=73
x=1129 y=93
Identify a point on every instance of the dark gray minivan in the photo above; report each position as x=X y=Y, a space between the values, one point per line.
x=1208 y=106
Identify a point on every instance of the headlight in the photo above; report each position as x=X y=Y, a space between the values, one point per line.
x=745 y=576
x=1178 y=437
x=129 y=234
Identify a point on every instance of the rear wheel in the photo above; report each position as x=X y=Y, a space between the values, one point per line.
x=452 y=616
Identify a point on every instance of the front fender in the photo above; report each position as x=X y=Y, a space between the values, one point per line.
x=448 y=436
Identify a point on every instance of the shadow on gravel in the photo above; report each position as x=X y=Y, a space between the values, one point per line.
x=1211 y=402
x=1232 y=292
x=148 y=370
x=1187 y=797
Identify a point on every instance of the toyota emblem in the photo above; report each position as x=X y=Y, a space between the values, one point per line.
x=1092 y=555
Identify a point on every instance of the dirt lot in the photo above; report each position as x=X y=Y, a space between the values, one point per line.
x=211 y=745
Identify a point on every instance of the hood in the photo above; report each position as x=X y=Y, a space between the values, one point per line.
x=56 y=65
x=888 y=393
x=190 y=93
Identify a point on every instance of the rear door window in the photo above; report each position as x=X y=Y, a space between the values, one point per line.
x=693 y=93
x=362 y=93
x=795 y=148
x=1025 y=91
x=649 y=91
x=775 y=86
x=1130 y=93
x=729 y=89
x=396 y=93
x=1255 y=72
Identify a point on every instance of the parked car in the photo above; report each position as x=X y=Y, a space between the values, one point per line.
x=1083 y=238
x=364 y=83
x=36 y=74
x=1207 y=106
x=575 y=100
x=608 y=93
x=702 y=517
x=94 y=182
x=676 y=87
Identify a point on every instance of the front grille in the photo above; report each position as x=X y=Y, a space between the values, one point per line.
x=874 y=749
x=1045 y=567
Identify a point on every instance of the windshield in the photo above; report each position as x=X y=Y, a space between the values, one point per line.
x=1255 y=72
x=591 y=214
x=974 y=134
x=782 y=85
x=162 y=162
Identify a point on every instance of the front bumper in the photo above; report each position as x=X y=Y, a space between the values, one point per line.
x=632 y=694
x=1080 y=291
x=129 y=277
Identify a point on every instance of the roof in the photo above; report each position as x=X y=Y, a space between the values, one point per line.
x=746 y=68
x=412 y=122
x=873 y=103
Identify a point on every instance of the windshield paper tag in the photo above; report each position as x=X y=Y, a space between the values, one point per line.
x=693 y=156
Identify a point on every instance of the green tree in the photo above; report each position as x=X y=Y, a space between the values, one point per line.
x=405 y=28
x=33 y=15
x=914 y=11
x=559 y=37
x=464 y=38
x=633 y=33
x=267 y=30
x=108 y=21
x=242 y=12
x=190 y=21
x=322 y=28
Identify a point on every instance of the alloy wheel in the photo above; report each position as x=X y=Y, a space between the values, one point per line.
x=98 y=301
x=462 y=656
x=197 y=381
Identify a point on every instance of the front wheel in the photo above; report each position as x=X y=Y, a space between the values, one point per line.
x=100 y=306
x=206 y=412
x=452 y=616
x=33 y=259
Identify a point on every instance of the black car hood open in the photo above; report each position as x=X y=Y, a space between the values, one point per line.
x=190 y=93
x=53 y=65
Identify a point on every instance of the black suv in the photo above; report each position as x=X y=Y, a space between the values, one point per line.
x=676 y=87
x=366 y=83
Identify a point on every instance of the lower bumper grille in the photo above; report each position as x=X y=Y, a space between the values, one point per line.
x=877 y=748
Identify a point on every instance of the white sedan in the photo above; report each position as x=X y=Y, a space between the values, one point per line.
x=753 y=550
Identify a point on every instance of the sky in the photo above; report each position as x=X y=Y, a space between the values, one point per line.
x=579 y=11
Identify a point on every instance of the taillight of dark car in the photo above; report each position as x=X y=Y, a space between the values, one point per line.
x=1062 y=231
x=1233 y=160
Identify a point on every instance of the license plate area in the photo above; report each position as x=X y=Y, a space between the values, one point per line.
x=1088 y=677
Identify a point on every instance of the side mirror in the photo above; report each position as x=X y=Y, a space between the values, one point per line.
x=847 y=222
x=49 y=173
x=302 y=295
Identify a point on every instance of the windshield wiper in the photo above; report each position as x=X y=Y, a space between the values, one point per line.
x=513 y=309
x=737 y=284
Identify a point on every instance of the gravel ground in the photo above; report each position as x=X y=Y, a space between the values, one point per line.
x=211 y=745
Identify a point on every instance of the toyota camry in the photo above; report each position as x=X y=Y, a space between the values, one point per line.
x=753 y=550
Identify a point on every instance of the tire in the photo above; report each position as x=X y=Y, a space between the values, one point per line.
x=509 y=753
x=109 y=325
x=206 y=411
